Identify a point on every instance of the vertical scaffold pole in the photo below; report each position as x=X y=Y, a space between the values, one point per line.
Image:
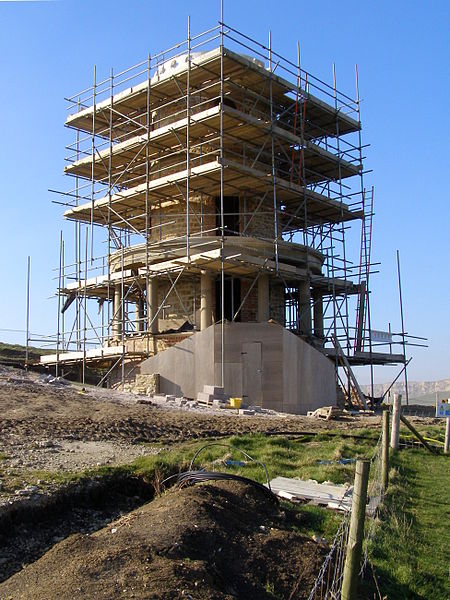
x=123 y=305
x=27 y=341
x=188 y=122
x=94 y=89
x=85 y=304
x=369 y=318
x=222 y=229
x=403 y=325
x=77 y=236
x=111 y=114
x=274 y=185
x=63 y=275
x=58 y=319
x=147 y=210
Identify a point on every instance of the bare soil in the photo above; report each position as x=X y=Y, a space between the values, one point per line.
x=32 y=411
x=212 y=541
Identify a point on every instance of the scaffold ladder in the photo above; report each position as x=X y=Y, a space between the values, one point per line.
x=364 y=268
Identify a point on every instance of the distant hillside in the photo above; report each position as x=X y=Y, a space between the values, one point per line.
x=15 y=353
x=420 y=392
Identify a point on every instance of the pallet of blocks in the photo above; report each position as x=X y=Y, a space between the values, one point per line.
x=213 y=395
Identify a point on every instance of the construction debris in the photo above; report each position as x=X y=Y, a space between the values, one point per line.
x=340 y=461
x=327 y=494
x=53 y=380
x=325 y=412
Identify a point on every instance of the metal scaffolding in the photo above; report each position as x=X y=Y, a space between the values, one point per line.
x=216 y=162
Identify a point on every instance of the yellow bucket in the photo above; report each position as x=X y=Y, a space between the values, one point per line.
x=235 y=402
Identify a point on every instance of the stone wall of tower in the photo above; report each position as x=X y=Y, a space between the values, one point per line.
x=276 y=303
x=170 y=221
x=249 y=312
x=258 y=222
x=188 y=290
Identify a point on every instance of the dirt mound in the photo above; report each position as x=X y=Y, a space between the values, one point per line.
x=217 y=540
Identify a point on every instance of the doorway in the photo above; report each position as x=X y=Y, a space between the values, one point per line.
x=251 y=360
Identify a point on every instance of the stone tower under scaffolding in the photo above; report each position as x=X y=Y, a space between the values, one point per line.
x=223 y=178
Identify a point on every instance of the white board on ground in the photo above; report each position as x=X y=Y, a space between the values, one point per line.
x=338 y=497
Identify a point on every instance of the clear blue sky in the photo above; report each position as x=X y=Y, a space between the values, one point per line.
x=48 y=50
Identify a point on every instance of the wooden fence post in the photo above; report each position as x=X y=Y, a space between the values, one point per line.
x=356 y=533
x=447 y=435
x=385 y=451
x=395 y=432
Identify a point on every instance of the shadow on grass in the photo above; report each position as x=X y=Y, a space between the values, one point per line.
x=404 y=552
x=389 y=588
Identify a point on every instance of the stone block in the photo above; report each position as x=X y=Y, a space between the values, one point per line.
x=214 y=390
x=205 y=397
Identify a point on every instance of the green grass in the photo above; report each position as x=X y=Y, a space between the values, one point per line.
x=285 y=457
x=410 y=551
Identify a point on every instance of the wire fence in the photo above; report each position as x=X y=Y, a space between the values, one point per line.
x=328 y=583
x=329 y=580
x=375 y=495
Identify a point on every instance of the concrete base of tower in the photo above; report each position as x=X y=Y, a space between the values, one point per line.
x=263 y=363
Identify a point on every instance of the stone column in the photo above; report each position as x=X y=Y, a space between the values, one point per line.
x=304 y=307
x=318 y=314
x=263 y=298
x=153 y=304
x=117 y=312
x=206 y=296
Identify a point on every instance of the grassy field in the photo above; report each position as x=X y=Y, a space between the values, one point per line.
x=297 y=456
x=410 y=551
